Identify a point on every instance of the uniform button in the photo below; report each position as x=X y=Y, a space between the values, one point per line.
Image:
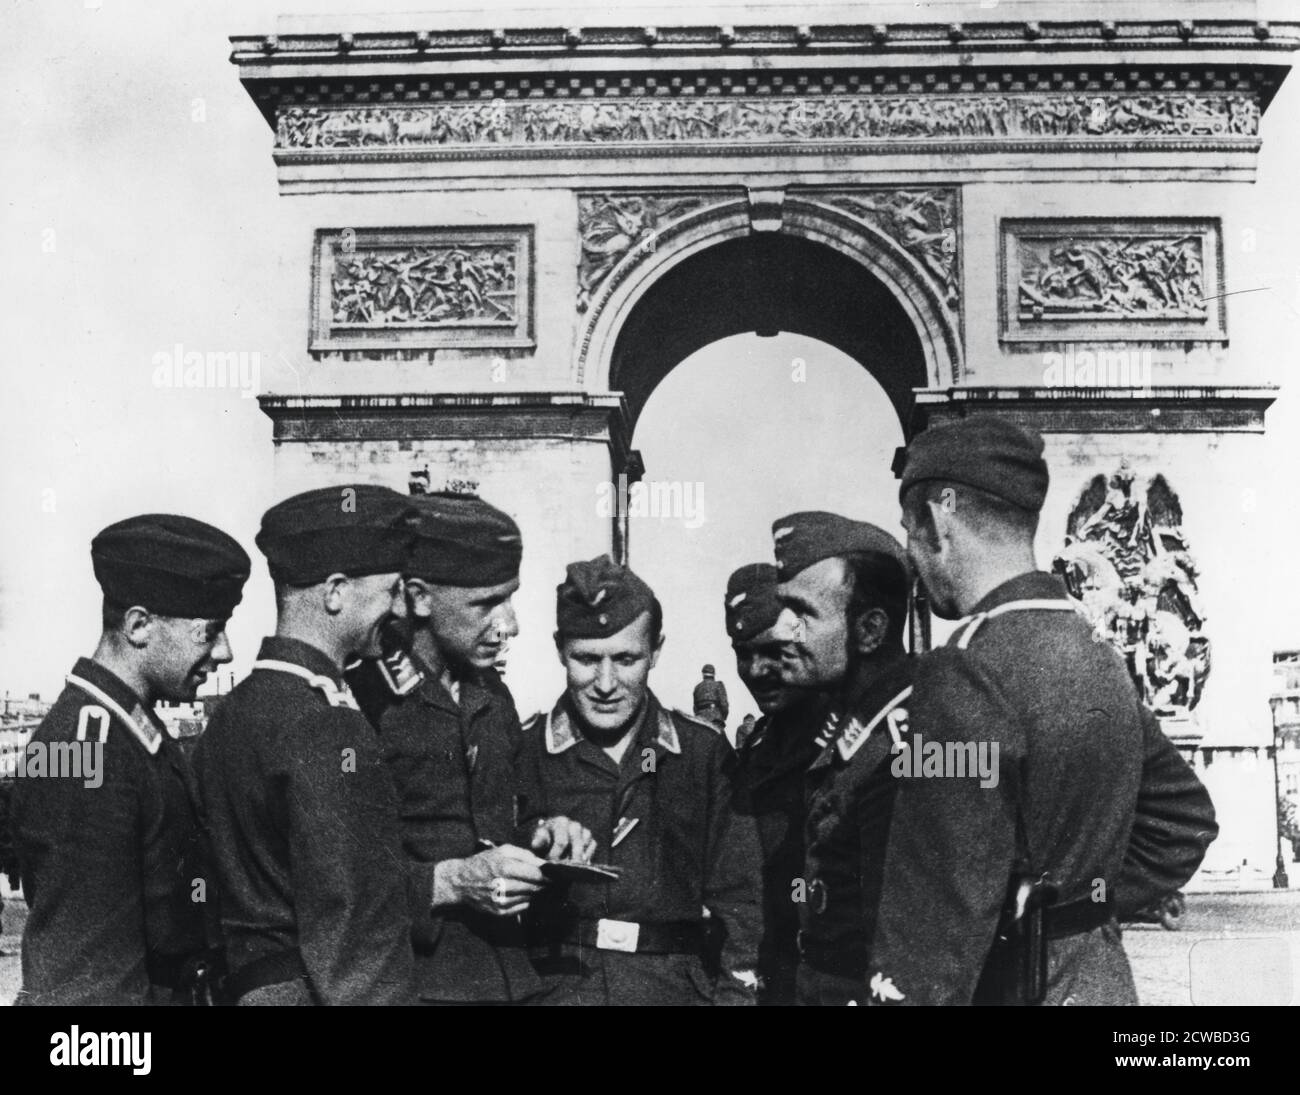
x=817 y=895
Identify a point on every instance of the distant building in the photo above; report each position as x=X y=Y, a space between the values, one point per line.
x=18 y=718
x=1285 y=701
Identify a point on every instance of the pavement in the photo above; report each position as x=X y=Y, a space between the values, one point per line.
x=1230 y=949
x=11 y=930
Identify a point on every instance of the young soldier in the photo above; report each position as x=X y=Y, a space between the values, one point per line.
x=112 y=853
x=844 y=588
x=770 y=768
x=1076 y=767
x=303 y=813
x=653 y=787
x=449 y=744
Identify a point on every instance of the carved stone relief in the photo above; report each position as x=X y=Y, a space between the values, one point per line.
x=748 y=119
x=421 y=287
x=1127 y=561
x=1141 y=279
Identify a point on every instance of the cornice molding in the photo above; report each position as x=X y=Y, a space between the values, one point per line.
x=881 y=38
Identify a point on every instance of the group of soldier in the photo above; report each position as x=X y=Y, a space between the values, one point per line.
x=366 y=821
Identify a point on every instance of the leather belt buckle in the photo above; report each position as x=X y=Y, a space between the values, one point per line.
x=617 y=935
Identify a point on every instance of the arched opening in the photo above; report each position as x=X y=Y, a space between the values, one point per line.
x=767 y=283
x=741 y=433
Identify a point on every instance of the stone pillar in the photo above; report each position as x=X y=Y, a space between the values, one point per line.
x=546 y=459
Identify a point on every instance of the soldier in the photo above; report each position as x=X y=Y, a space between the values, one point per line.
x=449 y=744
x=112 y=845
x=844 y=588
x=770 y=768
x=302 y=809
x=709 y=700
x=1024 y=684
x=654 y=788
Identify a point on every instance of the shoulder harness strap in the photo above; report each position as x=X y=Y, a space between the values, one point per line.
x=962 y=639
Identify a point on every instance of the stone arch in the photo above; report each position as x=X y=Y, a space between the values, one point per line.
x=854 y=256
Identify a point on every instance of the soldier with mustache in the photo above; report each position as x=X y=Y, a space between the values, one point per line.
x=770 y=766
x=844 y=595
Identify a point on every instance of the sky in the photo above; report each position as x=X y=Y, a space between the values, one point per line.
x=139 y=209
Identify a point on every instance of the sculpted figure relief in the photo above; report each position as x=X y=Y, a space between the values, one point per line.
x=1145 y=277
x=1126 y=561
x=424 y=285
x=860 y=117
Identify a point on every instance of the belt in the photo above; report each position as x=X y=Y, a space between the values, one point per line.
x=682 y=937
x=848 y=959
x=1076 y=918
x=270 y=969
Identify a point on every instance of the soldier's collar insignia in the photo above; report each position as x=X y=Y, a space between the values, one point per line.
x=138 y=722
x=560 y=732
x=856 y=733
x=667 y=736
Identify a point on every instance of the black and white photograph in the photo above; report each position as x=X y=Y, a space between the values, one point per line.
x=655 y=504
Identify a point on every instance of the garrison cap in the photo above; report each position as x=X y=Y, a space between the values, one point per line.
x=751 y=603
x=803 y=539
x=171 y=565
x=355 y=529
x=985 y=452
x=599 y=598
x=461 y=540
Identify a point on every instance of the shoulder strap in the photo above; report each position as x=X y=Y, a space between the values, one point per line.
x=337 y=697
x=144 y=731
x=963 y=637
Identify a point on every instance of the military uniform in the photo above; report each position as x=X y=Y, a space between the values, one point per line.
x=113 y=850
x=850 y=798
x=115 y=875
x=1173 y=824
x=317 y=899
x=665 y=816
x=453 y=767
x=304 y=823
x=769 y=781
x=1025 y=674
x=1063 y=711
x=709 y=701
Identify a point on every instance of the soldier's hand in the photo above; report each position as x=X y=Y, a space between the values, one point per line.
x=500 y=881
x=563 y=838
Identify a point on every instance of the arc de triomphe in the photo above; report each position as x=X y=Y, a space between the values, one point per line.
x=517 y=233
